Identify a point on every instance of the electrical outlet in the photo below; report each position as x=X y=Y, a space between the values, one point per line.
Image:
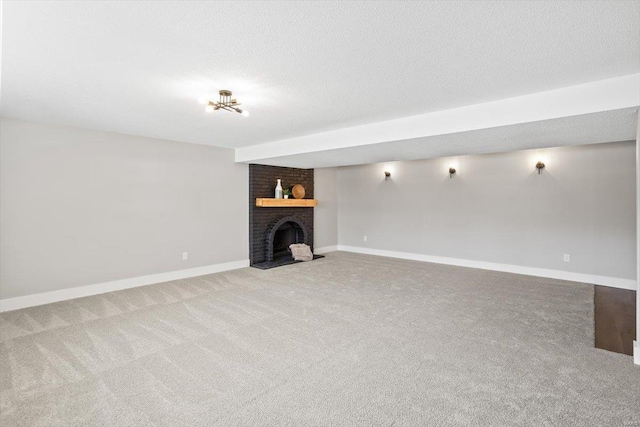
x=185 y=256
x=365 y=238
x=567 y=258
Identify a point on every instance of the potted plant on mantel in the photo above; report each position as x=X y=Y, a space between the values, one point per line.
x=286 y=193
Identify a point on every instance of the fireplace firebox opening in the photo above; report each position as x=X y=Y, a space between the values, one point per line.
x=284 y=232
x=287 y=234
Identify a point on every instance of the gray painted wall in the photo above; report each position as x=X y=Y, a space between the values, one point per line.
x=326 y=213
x=498 y=209
x=81 y=207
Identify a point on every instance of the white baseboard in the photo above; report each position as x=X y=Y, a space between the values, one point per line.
x=116 y=285
x=613 y=282
x=636 y=352
x=325 y=249
x=83 y=291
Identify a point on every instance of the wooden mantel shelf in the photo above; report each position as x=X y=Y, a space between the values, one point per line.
x=286 y=203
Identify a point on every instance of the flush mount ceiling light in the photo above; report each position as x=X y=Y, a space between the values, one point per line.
x=225 y=103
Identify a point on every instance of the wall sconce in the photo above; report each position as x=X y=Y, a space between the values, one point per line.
x=451 y=172
x=387 y=175
x=540 y=166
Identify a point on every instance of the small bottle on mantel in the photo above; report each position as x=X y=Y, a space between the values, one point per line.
x=279 y=189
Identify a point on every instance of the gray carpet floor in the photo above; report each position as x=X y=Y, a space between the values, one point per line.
x=346 y=340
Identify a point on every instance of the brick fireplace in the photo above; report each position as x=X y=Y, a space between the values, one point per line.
x=273 y=229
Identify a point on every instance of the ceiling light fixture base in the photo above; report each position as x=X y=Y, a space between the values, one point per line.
x=226 y=102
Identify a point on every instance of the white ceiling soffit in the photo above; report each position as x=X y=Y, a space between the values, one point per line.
x=545 y=111
x=608 y=126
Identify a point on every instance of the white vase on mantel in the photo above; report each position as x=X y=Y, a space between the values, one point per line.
x=279 y=189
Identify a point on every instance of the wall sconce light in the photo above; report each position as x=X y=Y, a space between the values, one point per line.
x=387 y=175
x=451 y=172
x=540 y=166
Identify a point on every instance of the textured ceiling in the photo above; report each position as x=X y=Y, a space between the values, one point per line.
x=300 y=68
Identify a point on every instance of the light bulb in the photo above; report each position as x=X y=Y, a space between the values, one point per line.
x=208 y=108
x=245 y=113
x=202 y=100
